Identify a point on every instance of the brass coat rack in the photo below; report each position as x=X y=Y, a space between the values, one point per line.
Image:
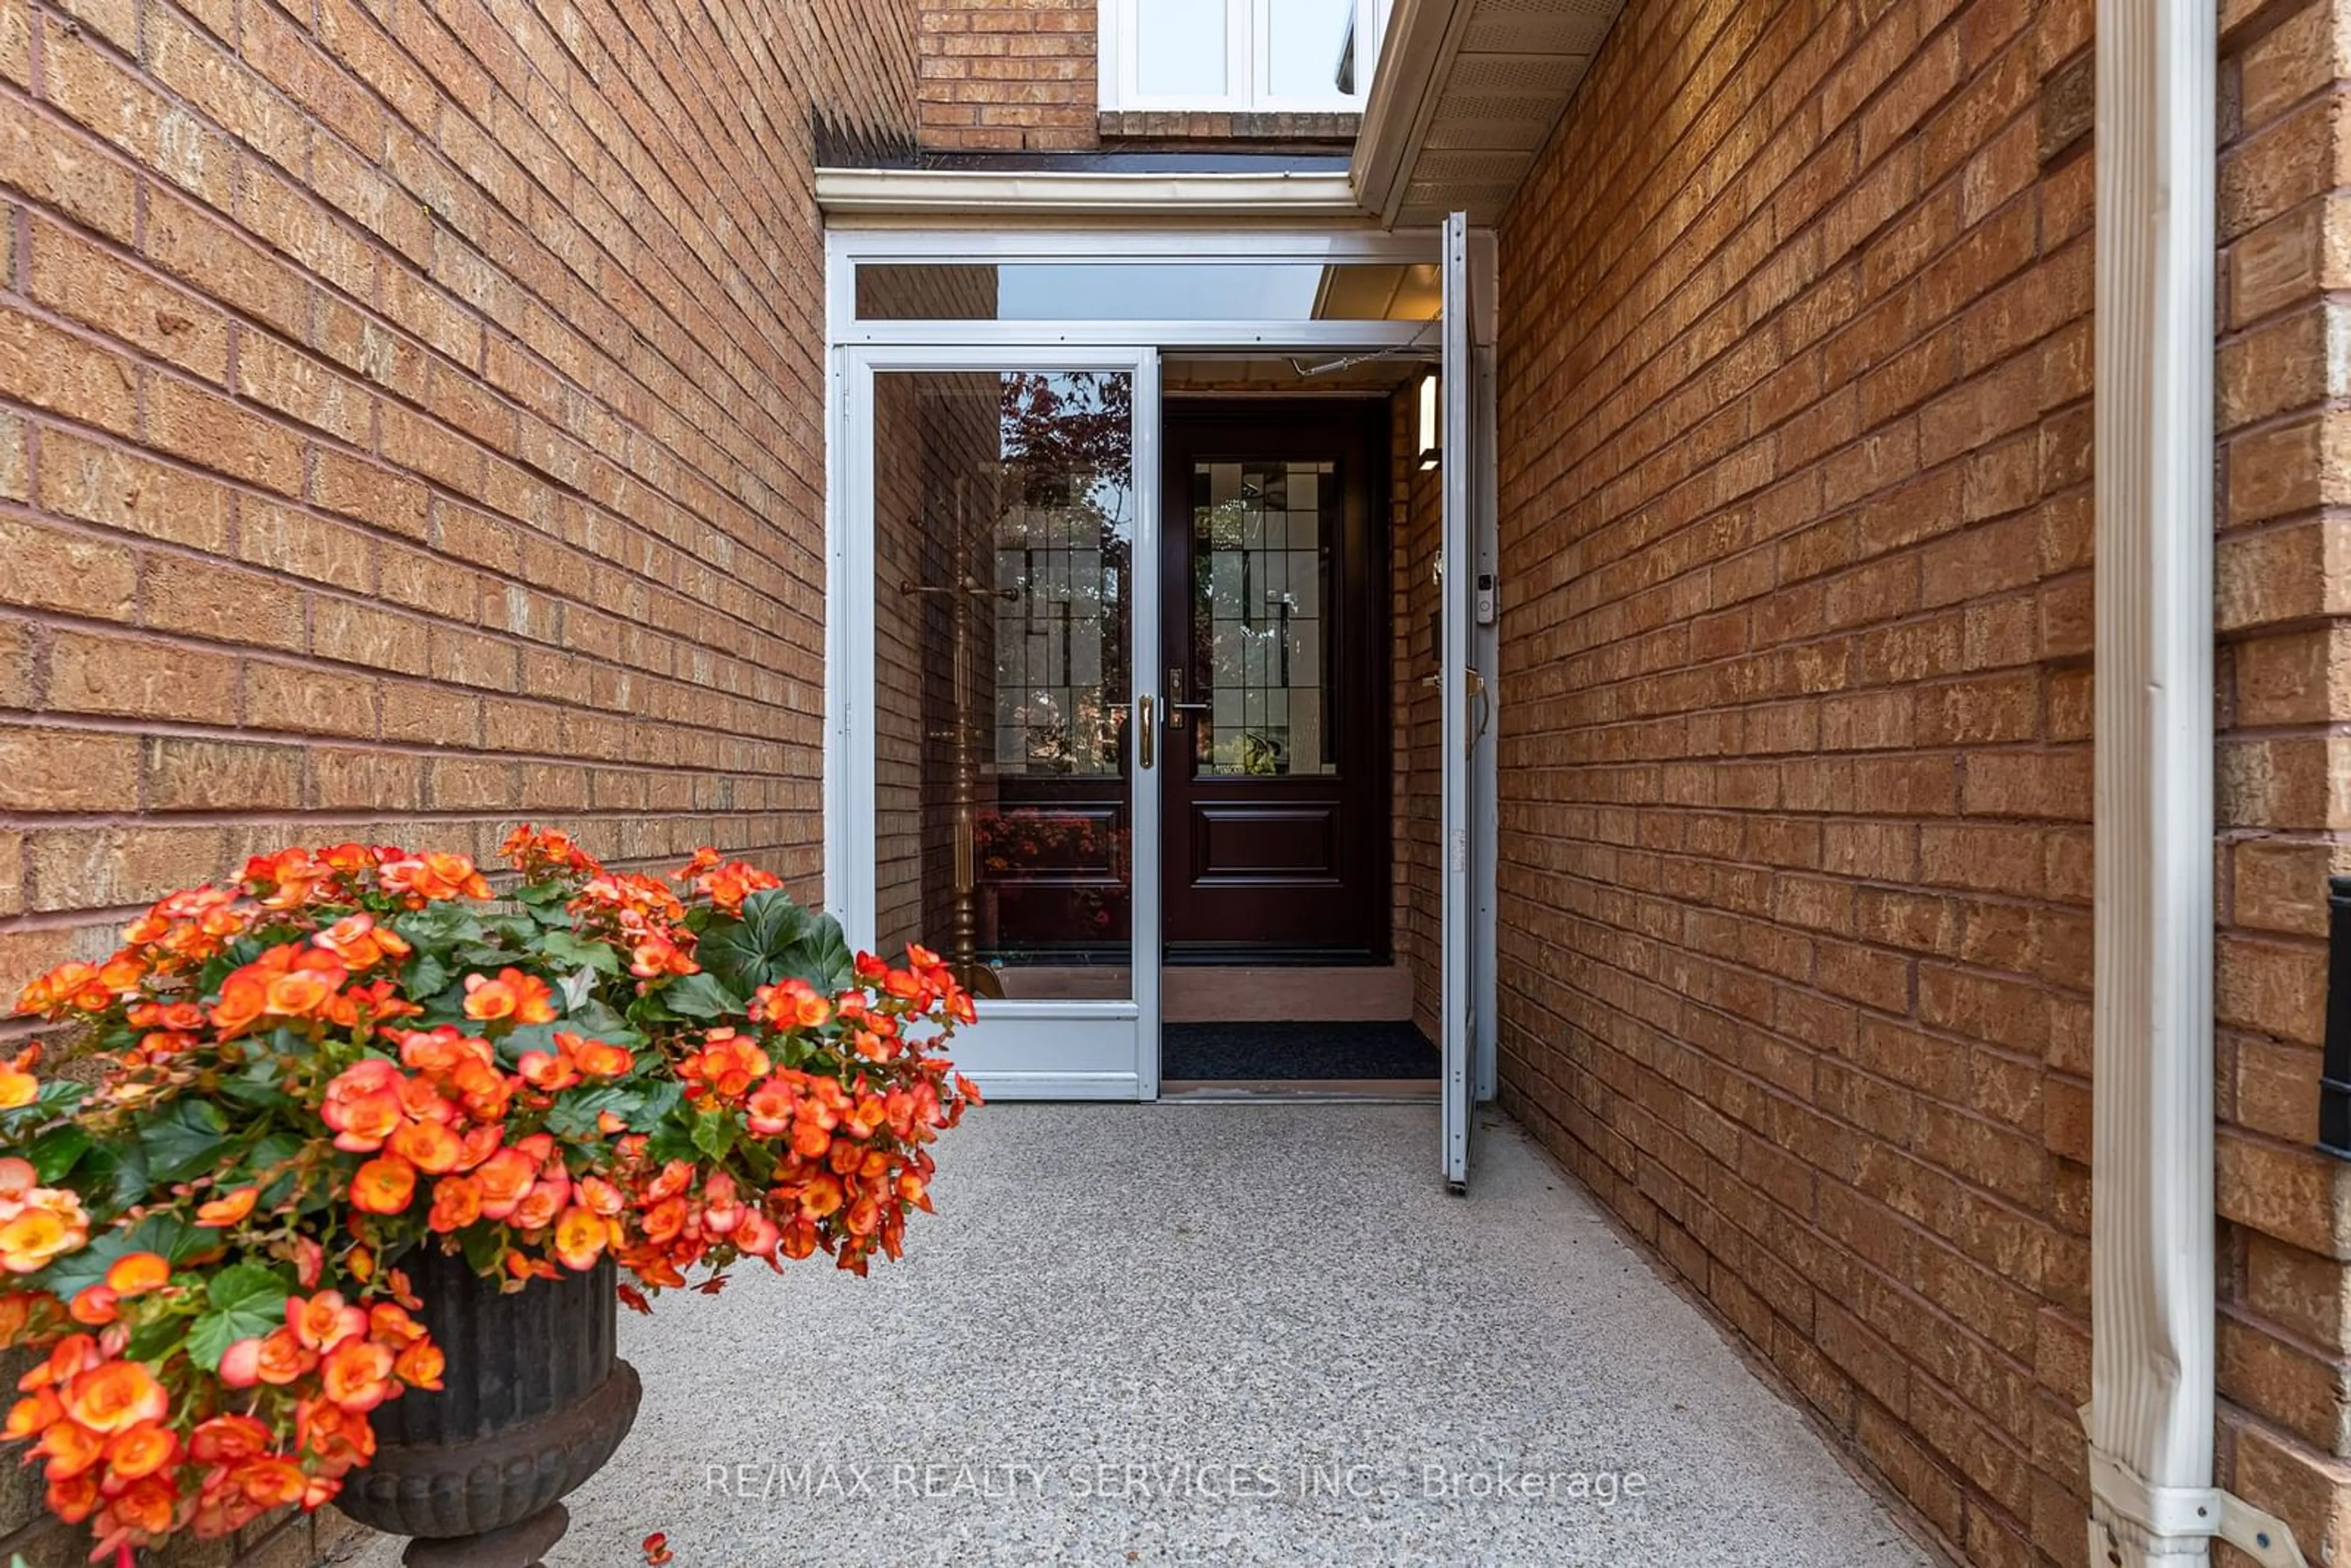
x=980 y=979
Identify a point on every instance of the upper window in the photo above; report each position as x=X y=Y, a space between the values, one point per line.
x=1268 y=56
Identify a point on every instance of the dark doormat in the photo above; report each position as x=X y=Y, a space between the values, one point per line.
x=1190 y=1050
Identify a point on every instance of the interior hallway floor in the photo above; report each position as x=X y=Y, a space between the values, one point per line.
x=1220 y=1334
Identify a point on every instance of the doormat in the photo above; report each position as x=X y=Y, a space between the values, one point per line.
x=1193 y=1050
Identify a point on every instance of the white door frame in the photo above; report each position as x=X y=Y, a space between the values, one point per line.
x=1456 y=690
x=857 y=349
x=1469 y=687
x=1074 y=1049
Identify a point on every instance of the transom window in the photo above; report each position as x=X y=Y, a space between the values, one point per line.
x=1259 y=56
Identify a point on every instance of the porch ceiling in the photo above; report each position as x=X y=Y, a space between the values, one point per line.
x=1467 y=95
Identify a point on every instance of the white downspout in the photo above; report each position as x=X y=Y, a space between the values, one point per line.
x=2150 y=1416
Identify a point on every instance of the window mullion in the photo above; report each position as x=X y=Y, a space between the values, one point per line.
x=1248 y=63
x=1246 y=31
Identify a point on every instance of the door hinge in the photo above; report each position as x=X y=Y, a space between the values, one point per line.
x=1460 y=848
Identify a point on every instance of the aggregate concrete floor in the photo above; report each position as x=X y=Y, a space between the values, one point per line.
x=1220 y=1334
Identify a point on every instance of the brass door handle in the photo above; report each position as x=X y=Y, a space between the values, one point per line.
x=1146 y=733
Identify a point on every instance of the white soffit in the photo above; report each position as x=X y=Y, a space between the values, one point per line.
x=1468 y=93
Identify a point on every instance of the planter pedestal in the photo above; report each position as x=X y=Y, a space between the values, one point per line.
x=516 y=1546
x=533 y=1402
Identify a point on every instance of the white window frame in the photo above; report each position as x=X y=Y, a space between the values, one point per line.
x=1248 y=58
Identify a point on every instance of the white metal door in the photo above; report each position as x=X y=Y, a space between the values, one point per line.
x=1461 y=687
x=992 y=720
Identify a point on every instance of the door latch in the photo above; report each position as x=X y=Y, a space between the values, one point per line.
x=1176 y=706
x=1146 y=733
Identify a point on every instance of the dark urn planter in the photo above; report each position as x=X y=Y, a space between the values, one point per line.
x=533 y=1402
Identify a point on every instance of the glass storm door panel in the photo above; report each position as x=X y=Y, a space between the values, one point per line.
x=1461 y=687
x=1009 y=561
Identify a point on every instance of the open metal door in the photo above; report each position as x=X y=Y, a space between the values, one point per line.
x=996 y=611
x=1461 y=687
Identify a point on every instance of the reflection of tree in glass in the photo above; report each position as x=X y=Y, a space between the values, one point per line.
x=1067 y=443
x=1066 y=433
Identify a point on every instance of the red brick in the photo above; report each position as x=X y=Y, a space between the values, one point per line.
x=139 y=679
x=191 y=775
x=213 y=433
x=43 y=769
x=57 y=370
x=114 y=487
x=109 y=293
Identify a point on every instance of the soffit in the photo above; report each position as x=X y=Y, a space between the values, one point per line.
x=1467 y=94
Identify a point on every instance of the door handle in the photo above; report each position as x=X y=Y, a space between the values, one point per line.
x=1146 y=734
x=1176 y=706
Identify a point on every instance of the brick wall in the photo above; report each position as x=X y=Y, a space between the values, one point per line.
x=1415 y=501
x=409 y=420
x=1006 y=76
x=2283 y=591
x=1796 y=762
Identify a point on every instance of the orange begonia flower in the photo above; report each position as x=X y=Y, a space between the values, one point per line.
x=116 y=1395
x=512 y=997
x=389 y=1324
x=68 y=988
x=223 y=1212
x=362 y=1104
x=427 y=878
x=336 y=1436
x=551 y=1072
x=70 y=1448
x=17 y=1180
x=579 y=1239
x=383 y=1186
x=149 y=1503
x=136 y=1273
x=142 y=1450
x=357 y=1374
x=504 y=1178
x=361 y=943
x=269 y=1481
x=226 y=1439
x=94 y=1306
x=542 y=1203
x=429 y=1146
x=324 y=1320
x=288 y=981
x=821 y=1196
x=598 y=1060
x=284 y=1358
x=32 y=1416
x=50 y=1224
x=72 y=1497
x=456 y=1203
x=791 y=1004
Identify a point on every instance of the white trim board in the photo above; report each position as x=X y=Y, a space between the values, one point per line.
x=991 y=194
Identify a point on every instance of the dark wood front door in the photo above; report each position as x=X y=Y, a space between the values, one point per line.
x=1275 y=791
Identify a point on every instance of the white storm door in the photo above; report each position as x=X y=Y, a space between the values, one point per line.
x=1460 y=686
x=997 y=613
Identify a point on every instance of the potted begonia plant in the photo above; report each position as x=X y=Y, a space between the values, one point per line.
x=368 y=1152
